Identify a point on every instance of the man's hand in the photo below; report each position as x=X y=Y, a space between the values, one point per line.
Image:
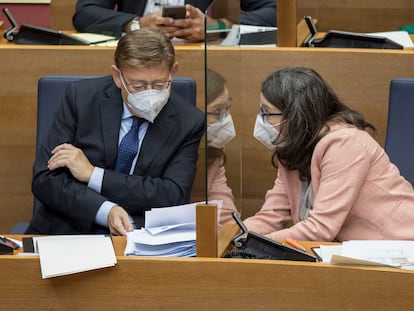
x=191 y=28
x=67 y=155
x=155 y=20
x=118 y=221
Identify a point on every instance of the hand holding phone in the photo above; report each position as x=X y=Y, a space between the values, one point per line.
x=175 y=12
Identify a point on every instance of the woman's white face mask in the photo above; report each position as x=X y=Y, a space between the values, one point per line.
x=265 y=132
x=220 y=133
x=147 y=104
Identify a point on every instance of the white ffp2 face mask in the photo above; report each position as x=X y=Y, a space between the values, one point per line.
x=148 y=104
x=265 y=132
x=220 y=133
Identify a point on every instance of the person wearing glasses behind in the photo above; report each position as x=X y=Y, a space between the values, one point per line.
x=334 y=182
x=119 y=145
x=220 y=131
x=114 y=17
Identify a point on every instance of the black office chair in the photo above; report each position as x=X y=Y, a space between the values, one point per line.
x=399 y=141
x=51 y=90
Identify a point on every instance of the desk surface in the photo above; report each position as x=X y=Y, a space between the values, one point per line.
x=150 y=283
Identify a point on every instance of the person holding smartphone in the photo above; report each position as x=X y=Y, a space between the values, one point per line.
x=115 y=17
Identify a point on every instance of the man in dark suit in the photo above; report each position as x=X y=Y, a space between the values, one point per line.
x=77 y=176
x=100 y=16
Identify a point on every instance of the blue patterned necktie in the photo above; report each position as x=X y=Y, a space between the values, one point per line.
x=128 y=148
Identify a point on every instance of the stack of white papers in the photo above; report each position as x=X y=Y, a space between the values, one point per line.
x=67 y=254
x=392 y=253
x=169 y=231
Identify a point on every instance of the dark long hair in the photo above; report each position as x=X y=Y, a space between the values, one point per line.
x=307 y=103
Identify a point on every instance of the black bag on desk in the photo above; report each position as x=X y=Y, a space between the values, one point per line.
x=255 y=246
x=28 y=34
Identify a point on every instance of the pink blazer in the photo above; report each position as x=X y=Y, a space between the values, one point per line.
x=219 y=190
x=358 y=194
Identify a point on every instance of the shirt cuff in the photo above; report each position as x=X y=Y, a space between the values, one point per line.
x=95 y=183
x=101 y=217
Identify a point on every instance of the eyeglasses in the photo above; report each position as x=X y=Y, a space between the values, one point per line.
x=139 y=86
x=221 y=113
x=266 y=115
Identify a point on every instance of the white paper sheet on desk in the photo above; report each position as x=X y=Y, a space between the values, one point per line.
x=393 y=253
x=177 y=242
x=251 y=29
x=96 y=39
x=157 y=230
x=62 y=255
x=181 y=249
x=327 y=251
x=174 y=215
x=401 y=37
x=142 y=236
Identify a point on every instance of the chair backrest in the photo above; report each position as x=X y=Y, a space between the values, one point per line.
x=399 y=141
x=51 y=90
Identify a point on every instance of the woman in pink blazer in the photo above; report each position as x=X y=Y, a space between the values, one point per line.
x=220 y=130
x=335 y=182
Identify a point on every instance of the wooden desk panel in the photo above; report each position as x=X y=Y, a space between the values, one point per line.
x=358 y=15
x=360 y=77
x=61 y=13
x=206 y=284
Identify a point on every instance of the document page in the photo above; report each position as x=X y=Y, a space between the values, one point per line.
x=96 y=39
x=401 y=37
x=62 y=255
x=390 y=253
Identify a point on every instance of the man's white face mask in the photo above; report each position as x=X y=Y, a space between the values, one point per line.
x=147 y=104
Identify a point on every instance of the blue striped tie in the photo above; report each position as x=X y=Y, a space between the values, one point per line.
x=128 y=148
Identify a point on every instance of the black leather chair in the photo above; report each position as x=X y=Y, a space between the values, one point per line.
x=399 y=141
x=51 y=90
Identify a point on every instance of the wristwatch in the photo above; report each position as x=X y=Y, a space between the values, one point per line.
x=135 y=25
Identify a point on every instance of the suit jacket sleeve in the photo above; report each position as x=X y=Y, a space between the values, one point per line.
x=258 y=12
x=275 y=213
x=100 y=16
x=59 y=192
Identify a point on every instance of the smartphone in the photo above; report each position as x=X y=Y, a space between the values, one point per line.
x=174 y=11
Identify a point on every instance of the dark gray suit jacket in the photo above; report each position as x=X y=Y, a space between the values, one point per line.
x=89 y=118
x=98 y=16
